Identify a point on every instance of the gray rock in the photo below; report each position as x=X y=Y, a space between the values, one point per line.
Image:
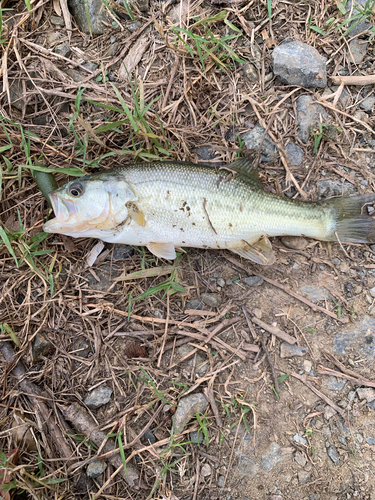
x=300 y=458
x=358 y=337
x=92 y=67
x=299 y=439
x=206 y=470
x=106 y=274
x=75 y=75
x=253 y=280
x=372 y=292
x=93 y=22
x=334 y=384
x=196 y=437
x=363 y=25
x=200 y=365
x=98 y=397
x=316 y=294
x=357 y=50
x=252 y=140
x=327 y=189
x=370 y=440
x=294 y=154
x=121 y=252
x=297 y=63
x=187 y=408
x=57 y=20
x=62 y=49
x=81 y=348
x=248 y=465
x=333 y=455
x=368 y=103
x=294 y=242
x=303 y=476
x=96 y=468
x=308 y=115
x=329 y=412
x=275 y=455
x=292 y=350
x=206 y=154
x=53 y=37
x=18 y=97
x=41 y=346
x=359 y=438
x=221 y=481
x=149 y=437
x=211 y=299
x=220 y=282
x=250 y=72
x=367 y=393
x=194 y=304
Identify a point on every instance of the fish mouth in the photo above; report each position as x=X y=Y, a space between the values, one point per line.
x=63 y=209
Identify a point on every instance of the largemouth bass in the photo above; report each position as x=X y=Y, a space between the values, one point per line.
x=169 y=205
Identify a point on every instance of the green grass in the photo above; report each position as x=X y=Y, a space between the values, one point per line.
x=206 y=44
x=335 y=24
x=146 y=144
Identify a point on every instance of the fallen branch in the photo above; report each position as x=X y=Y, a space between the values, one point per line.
x=353 y=80
x=322 y=370
x=274 y=376
x=318 y=393
x=275 y=331
x=86 y=425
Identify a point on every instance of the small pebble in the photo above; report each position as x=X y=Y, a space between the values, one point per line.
x=253 y=280
x=359 y=438
x=221 y=282
x=372 y=292
x=211 y=299
x=112 y=39
x=221 y=481
x=307 y=365
x=300 y=459
x=299 y=439
x=96 y=468
x=206 y=470
x=98 y=397
x=370 y=440
x=333 y=455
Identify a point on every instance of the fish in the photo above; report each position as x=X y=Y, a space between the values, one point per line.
x=169 y=206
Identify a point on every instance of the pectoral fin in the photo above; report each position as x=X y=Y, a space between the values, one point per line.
x=163 y=250
x=260 y=252
x=136 y=214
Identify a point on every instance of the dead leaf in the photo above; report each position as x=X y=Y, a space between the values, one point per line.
x=135 y=54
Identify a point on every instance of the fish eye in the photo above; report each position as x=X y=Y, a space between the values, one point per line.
x=76 y=189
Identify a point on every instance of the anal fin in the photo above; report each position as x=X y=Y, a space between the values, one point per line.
x=260 y=251
x=162 y=250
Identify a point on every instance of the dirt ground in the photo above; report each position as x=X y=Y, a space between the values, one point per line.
x=284 y=420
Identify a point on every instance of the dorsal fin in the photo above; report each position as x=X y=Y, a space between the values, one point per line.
x=245 y=167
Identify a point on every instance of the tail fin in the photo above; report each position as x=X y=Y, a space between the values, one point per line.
x=352 y=222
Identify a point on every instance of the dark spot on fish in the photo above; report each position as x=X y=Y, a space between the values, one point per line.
x=230 y=224
x=183 y=242
x=174 y=225
x=182 y=229
x=184 y=204
x=241 y=208
x=187 y=208
x=204 y=246
x=193 y=223
x=182 y=208
x=219 y=180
